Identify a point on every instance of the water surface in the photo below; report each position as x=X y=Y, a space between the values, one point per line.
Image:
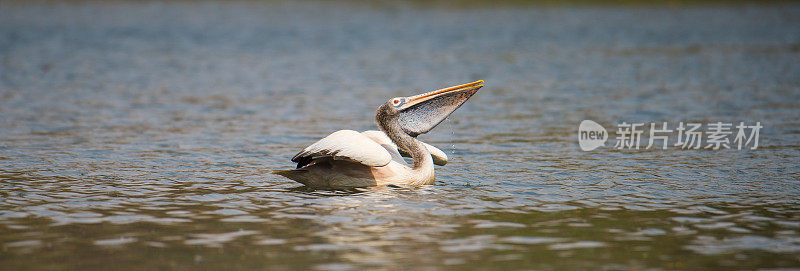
x=140 y=135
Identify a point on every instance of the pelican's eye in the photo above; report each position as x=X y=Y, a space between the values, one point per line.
x=397 y=102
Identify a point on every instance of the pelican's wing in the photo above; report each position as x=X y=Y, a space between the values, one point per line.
x=383 y=140
x=439 y=157
x=346 y=145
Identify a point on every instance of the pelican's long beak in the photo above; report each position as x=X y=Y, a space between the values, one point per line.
x=422 y=112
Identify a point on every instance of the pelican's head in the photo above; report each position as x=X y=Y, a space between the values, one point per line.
x=418 y=114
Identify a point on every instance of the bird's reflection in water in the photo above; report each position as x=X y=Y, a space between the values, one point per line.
x=387 y=190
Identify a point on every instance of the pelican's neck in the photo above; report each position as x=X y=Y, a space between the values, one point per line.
x=419 y=153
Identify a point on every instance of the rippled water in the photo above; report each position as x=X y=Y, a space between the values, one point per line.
x=140 y=135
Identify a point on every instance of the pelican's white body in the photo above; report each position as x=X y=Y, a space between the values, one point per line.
x=347 y=158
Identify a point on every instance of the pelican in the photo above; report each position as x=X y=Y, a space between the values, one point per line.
x=347 y=158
